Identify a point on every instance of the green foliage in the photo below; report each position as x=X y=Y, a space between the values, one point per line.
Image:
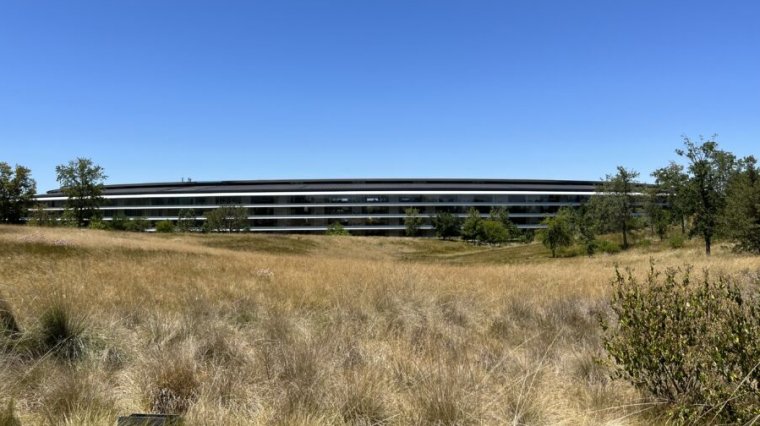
x=336 y=229
x=138 y=224
x=119 y=222
x=742 y=214
x=165 y=226
x=186 y=220
x=607 y=246
x=709 y=172
x=693 y=343
x=558 y=232
x=97 y=223
x=671 y=183
x=229 y=218
x=526 y=236
x=17 y=191
x=38 y=216
x=81 y=181
x=676 y=240
x=501 y=215
x=616 y=204
x=446 y=225
x=493 y=232
x=412 y=222
x=585 y=229
x=471 y=227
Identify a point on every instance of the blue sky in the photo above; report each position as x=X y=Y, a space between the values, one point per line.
x=160 y=90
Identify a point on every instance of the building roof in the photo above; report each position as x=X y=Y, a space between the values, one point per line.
x=306 y=185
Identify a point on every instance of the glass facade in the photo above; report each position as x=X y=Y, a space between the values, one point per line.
x=373 y=207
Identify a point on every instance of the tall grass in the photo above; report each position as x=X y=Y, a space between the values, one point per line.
x=242 y=329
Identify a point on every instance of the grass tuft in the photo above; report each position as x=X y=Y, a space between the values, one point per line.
x=62 y=333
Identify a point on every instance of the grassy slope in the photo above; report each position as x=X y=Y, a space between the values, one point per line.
x=309 y=329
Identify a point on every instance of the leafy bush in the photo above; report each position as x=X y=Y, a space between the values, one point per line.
x=165 y=226
x=694 y=344
x=493 y=232
x=138 y=224
x=336 y=229
x=607 y=246
x=97 y=223
x=676 y=240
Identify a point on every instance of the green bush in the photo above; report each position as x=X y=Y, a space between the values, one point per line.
x=97 y=223
x=493 y=232
x=165 y=226
x=336 y=229
x=676 y=240
x=138 y=224
x=607 y=246
x=692 y=343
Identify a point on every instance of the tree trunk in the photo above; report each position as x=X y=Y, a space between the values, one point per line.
x=708 y=243
x=625 y=235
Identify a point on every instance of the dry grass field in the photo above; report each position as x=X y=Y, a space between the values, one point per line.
x=251 y=329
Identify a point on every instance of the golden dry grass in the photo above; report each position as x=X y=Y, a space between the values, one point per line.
x=315 y=330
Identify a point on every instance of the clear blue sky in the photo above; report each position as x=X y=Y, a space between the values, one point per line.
x=160 y=90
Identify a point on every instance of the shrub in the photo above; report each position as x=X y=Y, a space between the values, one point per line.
x=493 y=232
x=138 y=224
x=336 y=228
x=165 y=226
x=607 y=246
x=694 y=344
x=676 y=240
x=97 y=223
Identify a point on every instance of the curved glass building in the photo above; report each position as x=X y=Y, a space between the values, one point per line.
x=362 y=206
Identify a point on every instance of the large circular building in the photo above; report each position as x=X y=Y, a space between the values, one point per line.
x=362 y=206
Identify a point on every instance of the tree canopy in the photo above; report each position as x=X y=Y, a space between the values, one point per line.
x=17 y=191
x=81 y=181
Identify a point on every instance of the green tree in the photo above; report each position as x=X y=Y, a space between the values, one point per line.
x=500 y=214
x=186 y=220
x=709 y=171
x=17 y=190
x=119 y=222
x=557 y=232
x=616 y=202
x=38 y=216
x=583 y=221
x=227 y=219
x=493 y=232
x=446 y=225
x=471 y=227
x=82 y=182
x=671 y=183
x=412 y=222
x=742 y=214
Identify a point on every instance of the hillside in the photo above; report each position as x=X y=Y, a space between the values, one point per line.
x=240 y=329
